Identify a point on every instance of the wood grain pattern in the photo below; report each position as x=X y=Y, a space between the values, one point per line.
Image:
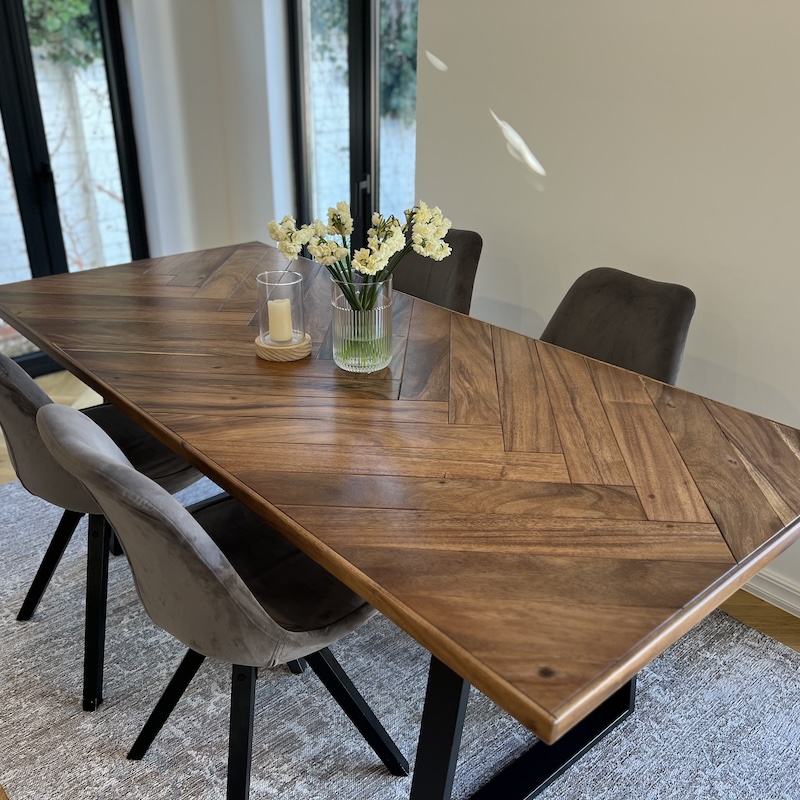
x=224 y=281
x=599 y=538
x=500 y=497
x=716 y=468
x=293 y=352
x=473 y=383
x=768 y=456
x=544 y=523
x=665 y=486
x=197 y=270
x=418 y=462
x=589 y=445
x=528 y=424
x=298 y=430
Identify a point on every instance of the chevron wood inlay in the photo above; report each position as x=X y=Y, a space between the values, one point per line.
x=590 y=448
x=528 y=424
x=545 y=524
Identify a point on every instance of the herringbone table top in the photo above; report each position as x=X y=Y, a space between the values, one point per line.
x=545 y=524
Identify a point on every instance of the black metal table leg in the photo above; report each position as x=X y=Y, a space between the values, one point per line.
x=440 y=733
x=528 y=774
x=537 y=768
x=96 y=597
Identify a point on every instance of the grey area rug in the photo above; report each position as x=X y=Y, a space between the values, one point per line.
x=718 y=715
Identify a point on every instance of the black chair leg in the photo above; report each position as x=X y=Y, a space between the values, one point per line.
x=58 y=544
x=175 y=688
x=330 y=672
x=114 y=547
x=297 y=667
x=96 y=597
x=240 y=744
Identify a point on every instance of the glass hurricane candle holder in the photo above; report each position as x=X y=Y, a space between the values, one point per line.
x=282 y=335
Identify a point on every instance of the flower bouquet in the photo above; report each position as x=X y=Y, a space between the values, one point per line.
x=361 y=280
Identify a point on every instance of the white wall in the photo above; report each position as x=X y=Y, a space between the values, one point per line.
x=670 y=132
x=210 y=97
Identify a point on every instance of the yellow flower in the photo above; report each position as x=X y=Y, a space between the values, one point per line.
x=387 y=241
x=339 y=220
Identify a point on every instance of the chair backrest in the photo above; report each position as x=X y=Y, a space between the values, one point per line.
x=446 y=283
x=185 y=582
x=20 y=399
x=625 y=320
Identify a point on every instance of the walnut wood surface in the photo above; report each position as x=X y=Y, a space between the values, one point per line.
x=544 y=523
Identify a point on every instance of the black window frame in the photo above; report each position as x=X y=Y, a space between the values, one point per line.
x=363 y=85
x=29 y=156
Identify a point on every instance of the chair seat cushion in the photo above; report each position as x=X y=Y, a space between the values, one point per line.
x=291 y=587
x=143 y=450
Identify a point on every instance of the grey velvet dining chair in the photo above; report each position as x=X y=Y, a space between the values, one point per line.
x=446 y=283
x=20 y=399
x=626 y=320
x=224 y=583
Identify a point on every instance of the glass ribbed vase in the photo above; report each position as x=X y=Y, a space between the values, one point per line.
x=362 y=339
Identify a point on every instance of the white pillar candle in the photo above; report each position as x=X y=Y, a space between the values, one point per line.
x=280 y=320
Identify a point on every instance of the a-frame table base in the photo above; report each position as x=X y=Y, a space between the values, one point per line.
x=440 y=737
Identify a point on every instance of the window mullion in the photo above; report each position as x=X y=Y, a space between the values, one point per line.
x=27 y=145
x=363 y=24
x=122 y=116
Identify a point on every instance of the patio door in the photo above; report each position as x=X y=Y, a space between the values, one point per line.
x=69 y=190
x=355 y=88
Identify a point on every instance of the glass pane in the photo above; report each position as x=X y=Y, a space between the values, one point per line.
x=14 y=264
x=73 y=93
x=398 y=104
x=327 y=103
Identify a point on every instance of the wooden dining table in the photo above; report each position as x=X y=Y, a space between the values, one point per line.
x=543 y=523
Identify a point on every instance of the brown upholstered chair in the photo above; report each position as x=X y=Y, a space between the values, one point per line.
x=224 y=583
x=20 y=399
x=446 y=283
x=625 y=320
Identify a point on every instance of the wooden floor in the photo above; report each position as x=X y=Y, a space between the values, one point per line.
x=763 y=617
x=65 y=388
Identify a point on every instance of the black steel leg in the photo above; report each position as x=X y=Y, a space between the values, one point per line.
x=330 y=672
x=536 y=769
x=61 y=538
x=240 y=745
x=167 y=702
x=530 y=773
x=96 y=597
x=297 y=667
x=440 y=733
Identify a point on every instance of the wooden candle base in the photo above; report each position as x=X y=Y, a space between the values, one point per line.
x=283 y=352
